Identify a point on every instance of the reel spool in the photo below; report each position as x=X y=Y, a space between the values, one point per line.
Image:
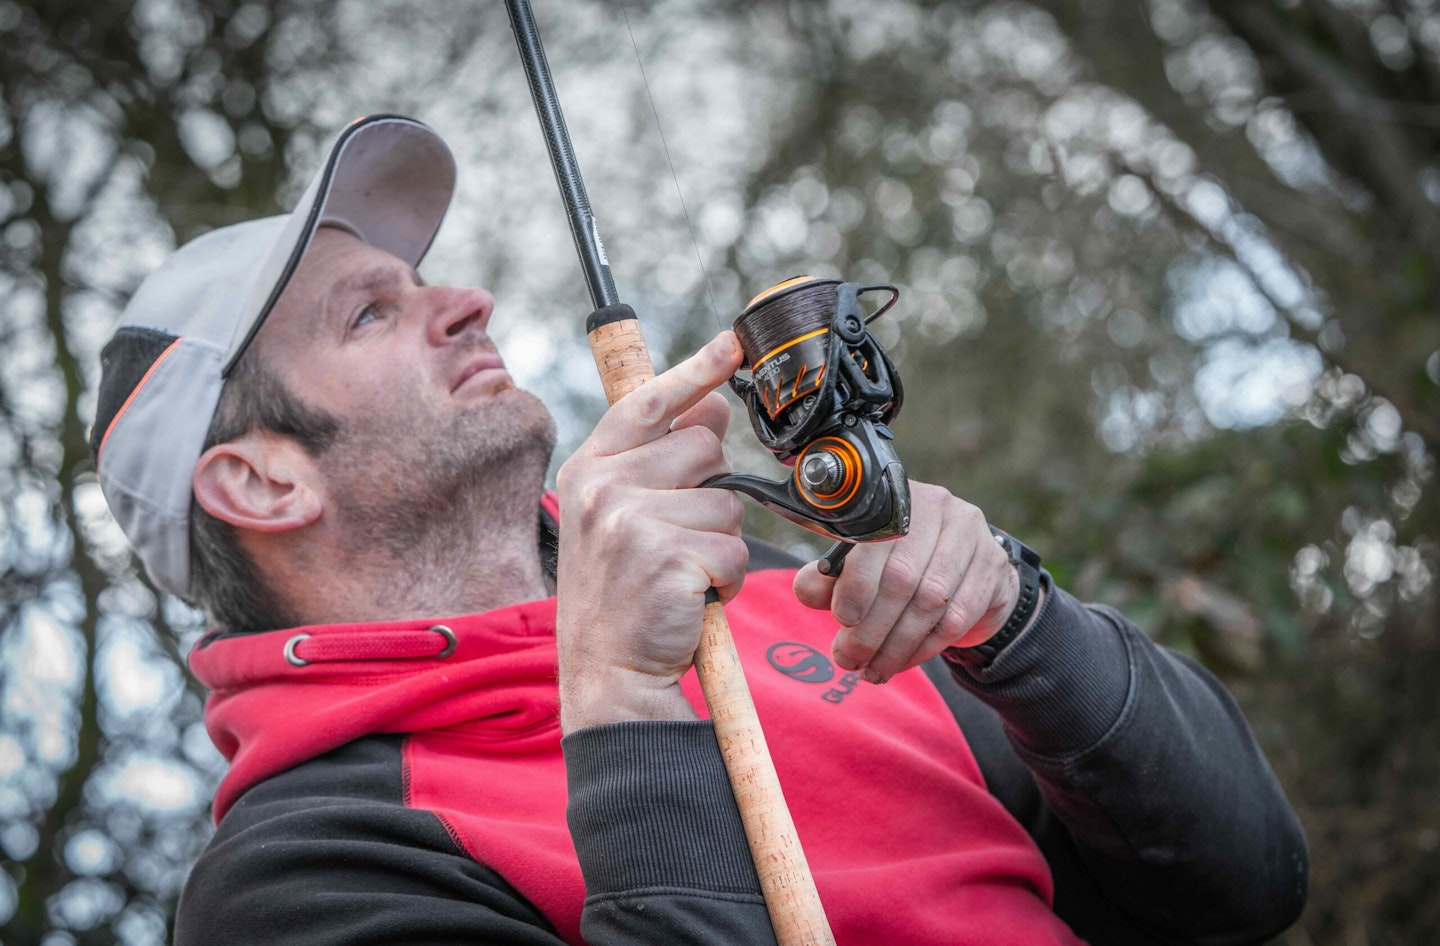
x=820 y=395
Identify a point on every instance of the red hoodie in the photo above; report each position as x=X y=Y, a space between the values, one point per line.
x=890 y=806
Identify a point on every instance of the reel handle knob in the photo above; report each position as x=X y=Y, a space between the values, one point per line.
x=831 y=563
x=822 y=472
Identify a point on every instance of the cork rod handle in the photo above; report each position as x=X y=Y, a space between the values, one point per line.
x=785 y=879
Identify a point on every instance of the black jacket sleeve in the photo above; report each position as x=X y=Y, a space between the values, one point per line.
x=326 y=854
x=1159 y=815
x=659 y=838
x=1129 y=764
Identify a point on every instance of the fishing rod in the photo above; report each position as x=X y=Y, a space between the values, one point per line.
x=624 y=364
x=821 y=394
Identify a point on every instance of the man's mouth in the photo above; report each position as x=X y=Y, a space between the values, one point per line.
x=483 y=363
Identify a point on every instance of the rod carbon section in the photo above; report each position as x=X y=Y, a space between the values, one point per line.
x=598 y=278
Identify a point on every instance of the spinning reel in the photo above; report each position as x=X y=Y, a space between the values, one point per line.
x=821 y=393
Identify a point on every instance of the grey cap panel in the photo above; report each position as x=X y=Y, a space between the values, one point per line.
x=159 y=433
x=200 y=290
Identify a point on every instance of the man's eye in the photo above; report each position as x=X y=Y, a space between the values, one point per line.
x=370 y=313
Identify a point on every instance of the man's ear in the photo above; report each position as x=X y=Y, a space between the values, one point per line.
x=261 y=482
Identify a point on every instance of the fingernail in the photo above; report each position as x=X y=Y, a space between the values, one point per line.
x=847 y=613
x=870 y=676
x=844 y=662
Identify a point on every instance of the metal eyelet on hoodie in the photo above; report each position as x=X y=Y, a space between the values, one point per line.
x=290 y=650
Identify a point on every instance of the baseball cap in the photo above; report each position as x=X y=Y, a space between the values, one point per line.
x=387 y=179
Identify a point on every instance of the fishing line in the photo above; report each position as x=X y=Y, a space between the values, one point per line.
x=689 y=224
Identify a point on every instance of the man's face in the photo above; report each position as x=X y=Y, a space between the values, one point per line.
x=426 y=409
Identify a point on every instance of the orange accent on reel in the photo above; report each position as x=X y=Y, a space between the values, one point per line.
x=849 y=459
x=794 y=341
x=790 y=283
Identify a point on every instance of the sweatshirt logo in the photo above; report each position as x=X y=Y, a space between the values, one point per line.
x=800 y=662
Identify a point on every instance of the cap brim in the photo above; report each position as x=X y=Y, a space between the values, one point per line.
x=388 y=179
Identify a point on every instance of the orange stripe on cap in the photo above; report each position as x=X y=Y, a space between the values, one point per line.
x=126 y=406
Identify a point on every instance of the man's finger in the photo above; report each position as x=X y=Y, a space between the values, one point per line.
x=680 y=461
x=712 y=412
x=813 y=589
x=880 y=590
x=646 y=413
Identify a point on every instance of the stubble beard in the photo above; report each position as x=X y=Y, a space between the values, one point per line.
x=444 y=511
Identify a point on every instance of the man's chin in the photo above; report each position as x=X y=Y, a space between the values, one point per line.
x=514 y=422
x=533 y=412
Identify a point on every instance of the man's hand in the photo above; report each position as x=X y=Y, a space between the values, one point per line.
x=640 y=546
x=947 y=583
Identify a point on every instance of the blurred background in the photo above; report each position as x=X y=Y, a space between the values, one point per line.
x=1169 y=313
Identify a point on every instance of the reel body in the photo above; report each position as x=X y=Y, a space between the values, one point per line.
x=821 y=395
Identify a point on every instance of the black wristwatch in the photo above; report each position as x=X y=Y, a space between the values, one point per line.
x=1027 y=563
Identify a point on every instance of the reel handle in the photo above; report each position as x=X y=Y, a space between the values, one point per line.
x=833 y=561
x=790 y=895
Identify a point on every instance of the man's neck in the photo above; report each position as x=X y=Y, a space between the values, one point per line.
x=483 y=556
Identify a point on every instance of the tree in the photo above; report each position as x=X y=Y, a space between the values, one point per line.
x=1169 y=315
x=122 y=124
x=1169 y=277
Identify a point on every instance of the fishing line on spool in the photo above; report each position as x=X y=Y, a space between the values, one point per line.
x=786 y=333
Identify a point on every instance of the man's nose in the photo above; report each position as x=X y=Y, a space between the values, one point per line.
x=457 y=312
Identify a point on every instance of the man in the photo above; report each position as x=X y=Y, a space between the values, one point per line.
x=327 y=454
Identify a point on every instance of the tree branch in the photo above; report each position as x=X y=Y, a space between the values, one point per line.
x=1381 y=155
